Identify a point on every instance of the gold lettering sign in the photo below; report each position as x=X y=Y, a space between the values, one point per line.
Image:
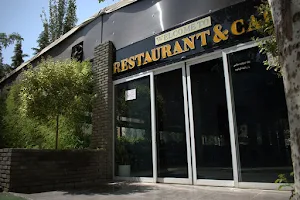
x=217 y=35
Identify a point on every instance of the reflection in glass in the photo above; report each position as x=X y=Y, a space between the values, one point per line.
x=212 y=138
x=170 y=121
x=261 y=115
x=133 y=144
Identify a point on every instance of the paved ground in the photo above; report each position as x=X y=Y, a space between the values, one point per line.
x=143 y=191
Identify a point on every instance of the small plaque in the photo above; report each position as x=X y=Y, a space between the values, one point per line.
x=130 y=95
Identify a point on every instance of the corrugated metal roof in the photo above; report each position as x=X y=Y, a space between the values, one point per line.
x=106 y=10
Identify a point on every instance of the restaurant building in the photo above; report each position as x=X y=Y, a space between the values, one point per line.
x=183 y=93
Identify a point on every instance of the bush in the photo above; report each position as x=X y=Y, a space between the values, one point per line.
x=19 y=130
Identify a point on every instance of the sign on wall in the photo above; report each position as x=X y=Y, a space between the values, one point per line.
x=130 y=95
x=183 y=30
x=221 y=29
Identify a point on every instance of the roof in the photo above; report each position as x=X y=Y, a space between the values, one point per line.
x=106 y=10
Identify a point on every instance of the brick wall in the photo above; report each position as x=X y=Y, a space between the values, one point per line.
x=5 y=164
x=28 y=170
x=102 y=136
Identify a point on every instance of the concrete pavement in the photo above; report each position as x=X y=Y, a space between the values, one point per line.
x=144 y=191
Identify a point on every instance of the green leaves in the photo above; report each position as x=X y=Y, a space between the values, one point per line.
x=52 y=88
x=268 y=46
x=62 y=18
x=284 y=183
x=6 y=40
x=56 y=88
x=17 y=58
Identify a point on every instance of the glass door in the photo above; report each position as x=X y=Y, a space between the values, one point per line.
x=172 y=129
x=210 y=135
x=133 y=129
x=261 y=119
x=203 y=122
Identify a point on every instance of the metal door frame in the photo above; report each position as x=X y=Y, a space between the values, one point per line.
x=189 y=180
x=188 y=108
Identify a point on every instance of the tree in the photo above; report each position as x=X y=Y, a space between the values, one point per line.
x=62 y=18
x=286 y=17
x=70 y=19
x=5 y=41
x=17 y=58
x=2 y=71
x=56 y=89
x=20 y=131
x=43 y=40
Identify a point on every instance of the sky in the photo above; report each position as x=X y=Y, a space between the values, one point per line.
x=23 y=17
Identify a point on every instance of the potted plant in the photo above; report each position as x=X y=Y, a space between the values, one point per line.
x=122 y=156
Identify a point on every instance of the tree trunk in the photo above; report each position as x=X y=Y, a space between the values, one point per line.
x=56 y=135
x=286 y=15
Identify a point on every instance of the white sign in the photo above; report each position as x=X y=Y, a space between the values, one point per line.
x=130 y=95
x=184 y=30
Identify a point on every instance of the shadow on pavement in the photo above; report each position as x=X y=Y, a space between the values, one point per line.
x=120 y=188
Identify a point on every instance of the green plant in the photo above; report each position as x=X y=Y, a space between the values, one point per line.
x=268 y=46
x=124 y=146
x=122 y=154
x=19 y=130
x=285 y=183
x=56 y=90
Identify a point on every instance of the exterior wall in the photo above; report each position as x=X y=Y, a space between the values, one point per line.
x=102 y=136
x=25 y=170
x=129 y=25
x=90 y=35
x=146 y=18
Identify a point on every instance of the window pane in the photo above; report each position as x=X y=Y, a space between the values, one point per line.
x=170 y=121
x=212 y=138
x=133 y=143
x=261 y=115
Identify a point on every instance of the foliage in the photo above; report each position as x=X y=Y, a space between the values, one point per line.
x=5 y=41
x=17 y=58
x=57 y=89
x=2 y=113
x=43 y=39
x=2 y=71
x=123 y=146
x=62 y=18
x=4 y=68
x=269 y=45
x=8 y=196
x=19 y=131
x=70 y=18
x=122 y=154
x=285 y=183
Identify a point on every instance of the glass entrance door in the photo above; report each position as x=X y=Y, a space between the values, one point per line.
x=203 y=122
x=212 y=160
x=172 y=130
x=133 y=130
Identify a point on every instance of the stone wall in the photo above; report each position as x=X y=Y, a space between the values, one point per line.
x=28 y=170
